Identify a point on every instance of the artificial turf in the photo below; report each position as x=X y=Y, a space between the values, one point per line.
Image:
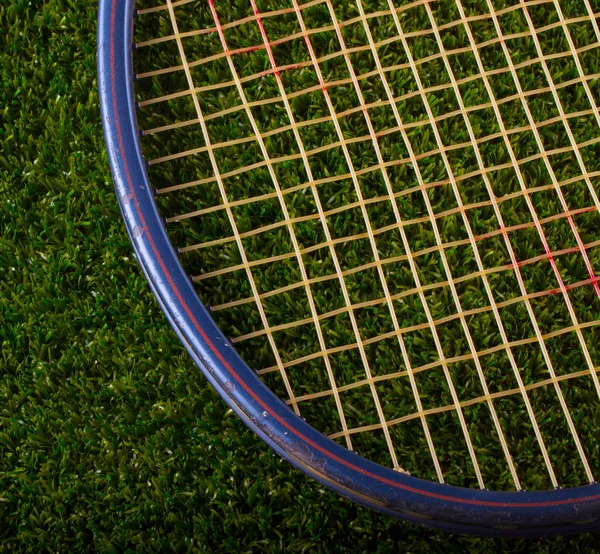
x=110 y=439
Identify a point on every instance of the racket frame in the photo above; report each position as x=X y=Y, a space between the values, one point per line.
x=479 y=512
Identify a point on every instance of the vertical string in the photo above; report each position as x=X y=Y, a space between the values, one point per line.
x=225 y=200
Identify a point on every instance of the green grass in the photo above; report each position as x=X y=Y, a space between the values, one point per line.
x=110 y=438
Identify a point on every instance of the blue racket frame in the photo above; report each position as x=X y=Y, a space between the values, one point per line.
x=479 y=512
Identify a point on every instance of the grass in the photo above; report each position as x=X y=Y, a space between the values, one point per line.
x=110 y=438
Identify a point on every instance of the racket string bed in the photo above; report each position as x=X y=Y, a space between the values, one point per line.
x=439 y=191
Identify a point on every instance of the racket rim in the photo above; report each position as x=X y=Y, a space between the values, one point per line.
x=473 y=511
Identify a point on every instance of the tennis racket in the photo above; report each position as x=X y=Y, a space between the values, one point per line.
x=374 y=227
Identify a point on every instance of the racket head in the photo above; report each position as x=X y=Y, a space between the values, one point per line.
x=479 y=512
